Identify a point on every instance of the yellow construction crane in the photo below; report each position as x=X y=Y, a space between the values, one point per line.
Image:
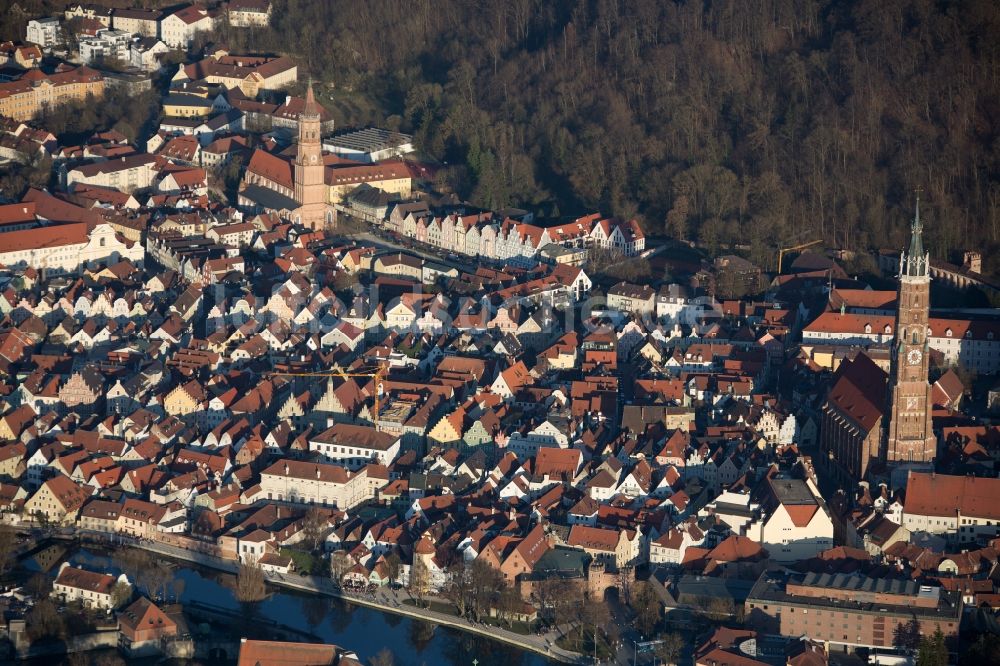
x=378 y=374
x=783 y=250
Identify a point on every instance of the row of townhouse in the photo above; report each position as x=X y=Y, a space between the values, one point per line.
x=504 y=239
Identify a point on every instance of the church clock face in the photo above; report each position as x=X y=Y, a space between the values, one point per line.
x=312 y=159
x=914 y=356
x=911 y=404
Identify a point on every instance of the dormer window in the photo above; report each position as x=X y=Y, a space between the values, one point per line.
x=947 y=332
x=968 y=334
x=888 y=329
x=868 y=328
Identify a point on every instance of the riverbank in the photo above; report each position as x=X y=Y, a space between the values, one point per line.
x=384 y=600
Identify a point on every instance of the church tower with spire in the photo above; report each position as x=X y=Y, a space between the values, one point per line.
x=910 y=441
x=310 y=183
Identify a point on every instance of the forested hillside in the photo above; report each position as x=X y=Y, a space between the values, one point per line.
x=761 y=121
x=757 y=121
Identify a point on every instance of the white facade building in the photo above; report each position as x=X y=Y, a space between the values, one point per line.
x=973 y=343
x=106 y=45
x=178 y=30
x=93 y=590
x=965 y=508
x=44 y=31
x=796 y=524
x=355 y=446
x=65 y=248
x=300 y=482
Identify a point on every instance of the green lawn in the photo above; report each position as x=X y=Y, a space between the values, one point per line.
x=304 y=561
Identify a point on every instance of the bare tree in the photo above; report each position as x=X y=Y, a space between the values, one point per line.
x=646 y=606
x=121 y=594
x=44 y=621
x=547 y=594
x=157 y=579
x=314 y=526
x=135 y=564
x=250 y=587
x=420 y=578
x=670 y=647
x=485 y=582
x=594 y=616
x=340 y=564
x=717 y=608
x=567 y=603
x=39 y=586
x=458 y=590
x=507 y=603
x=393 y=566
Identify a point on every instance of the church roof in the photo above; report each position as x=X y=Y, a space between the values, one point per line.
x=311 y=108
x=271 y=167
x=859 y=391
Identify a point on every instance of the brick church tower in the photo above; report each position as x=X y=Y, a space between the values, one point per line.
x=911 y=443
x=310 y=182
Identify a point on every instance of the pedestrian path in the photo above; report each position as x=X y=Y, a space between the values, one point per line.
x=383 y=599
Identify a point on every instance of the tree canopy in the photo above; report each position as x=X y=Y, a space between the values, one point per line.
x=762 y=122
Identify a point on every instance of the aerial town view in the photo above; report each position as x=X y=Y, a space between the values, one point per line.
x=412 y=333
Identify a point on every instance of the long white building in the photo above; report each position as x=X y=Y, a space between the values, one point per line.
x=300 y=482
x=65 y=248
x=974 y=343
x=355 y=446
x=965 y=508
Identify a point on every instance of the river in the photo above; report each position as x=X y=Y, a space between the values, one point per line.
x=357 y=628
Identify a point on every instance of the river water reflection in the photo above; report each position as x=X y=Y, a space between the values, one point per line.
x=363 y=630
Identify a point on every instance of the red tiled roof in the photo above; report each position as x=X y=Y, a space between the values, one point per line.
x=17 y=212
x=144 y=614
x=556 y=462
x=366 y=173
x=736 y=548
x=947 y=495
x=863 y=298
x=27 y=82
x=593 y=538
x=85 y=580
x=859 y=391
x=271 y=167
x=274 y=653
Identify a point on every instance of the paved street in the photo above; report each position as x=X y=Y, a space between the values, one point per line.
x=383 y=599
